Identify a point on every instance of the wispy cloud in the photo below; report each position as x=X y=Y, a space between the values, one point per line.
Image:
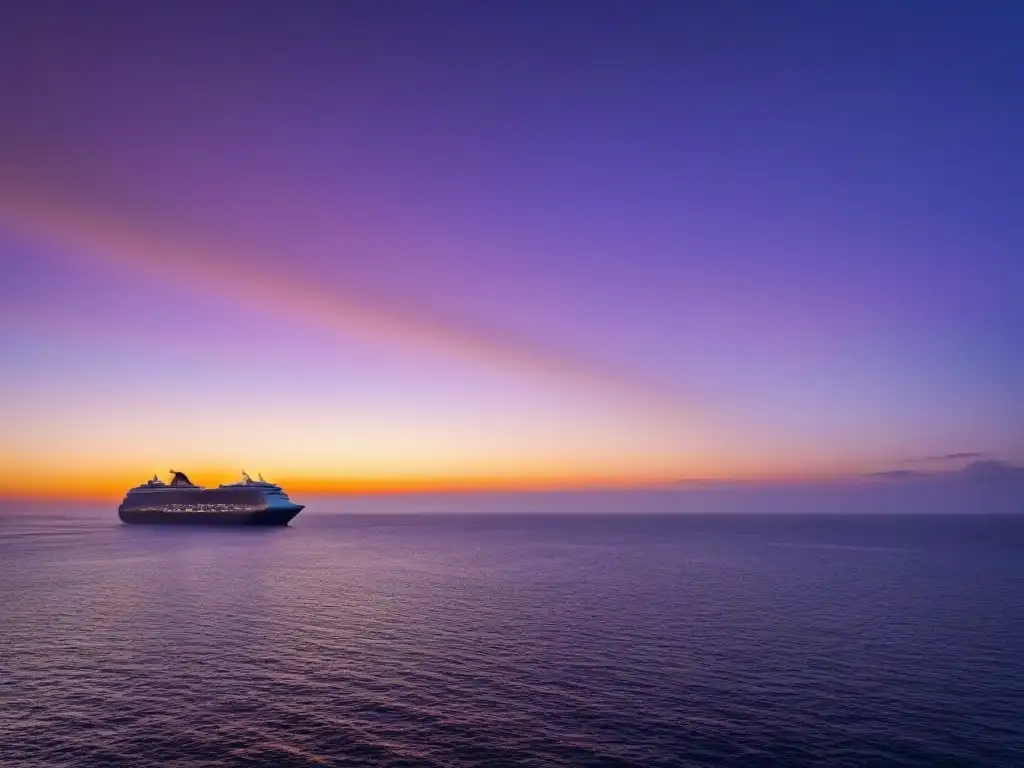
x=961 y=456
x=131 y=247
x=900 y=474
x=980 y=470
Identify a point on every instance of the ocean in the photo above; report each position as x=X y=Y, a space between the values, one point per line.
x=514 y=640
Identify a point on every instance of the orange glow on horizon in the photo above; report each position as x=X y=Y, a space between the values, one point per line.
x=111 y=488
x=114 y=487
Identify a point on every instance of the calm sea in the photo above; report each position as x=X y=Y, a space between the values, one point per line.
x=471 y=640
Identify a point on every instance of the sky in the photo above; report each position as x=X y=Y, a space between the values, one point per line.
x=429 y=246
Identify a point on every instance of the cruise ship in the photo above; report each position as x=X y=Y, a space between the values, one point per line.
x=247 y=502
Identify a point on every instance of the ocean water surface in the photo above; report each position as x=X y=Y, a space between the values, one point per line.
x=543 y=640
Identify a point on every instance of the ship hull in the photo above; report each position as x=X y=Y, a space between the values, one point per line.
x=270 y=516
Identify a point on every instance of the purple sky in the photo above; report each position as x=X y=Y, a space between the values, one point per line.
x=471 y=240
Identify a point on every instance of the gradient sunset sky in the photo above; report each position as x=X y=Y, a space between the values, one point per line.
x=409 y=245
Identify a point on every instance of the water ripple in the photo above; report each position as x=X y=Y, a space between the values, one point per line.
x=534 y=641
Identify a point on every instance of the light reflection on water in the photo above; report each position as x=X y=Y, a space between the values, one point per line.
x=529 y=640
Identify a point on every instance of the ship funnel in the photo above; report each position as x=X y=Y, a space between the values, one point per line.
x=180 y=478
